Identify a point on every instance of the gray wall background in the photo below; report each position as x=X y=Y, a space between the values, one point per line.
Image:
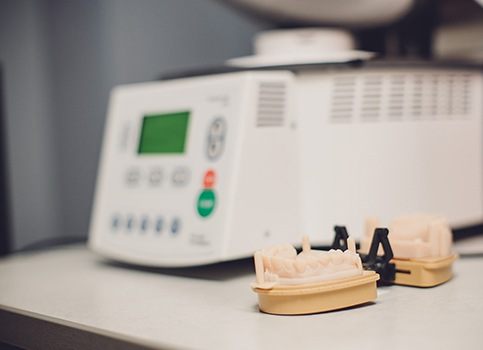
x=60 y=60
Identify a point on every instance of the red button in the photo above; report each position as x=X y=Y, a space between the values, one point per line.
x=209 y=180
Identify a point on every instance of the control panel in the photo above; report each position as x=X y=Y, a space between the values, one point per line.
x=168 y=179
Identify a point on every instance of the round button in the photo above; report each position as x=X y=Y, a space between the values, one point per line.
x=215 y=147
x=180 y=176
x=132 y=176
x=206 y=202
x=217 y=128
x=209 y=179
x=155 y=177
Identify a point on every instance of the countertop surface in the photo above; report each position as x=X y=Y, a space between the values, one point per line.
x=214 y=307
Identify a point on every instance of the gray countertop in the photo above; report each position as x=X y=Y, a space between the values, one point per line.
x=213 y=307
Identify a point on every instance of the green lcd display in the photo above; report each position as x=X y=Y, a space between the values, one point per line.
x=164 y=133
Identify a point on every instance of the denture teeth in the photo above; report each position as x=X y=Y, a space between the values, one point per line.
x=289 y=266
x=324 y=259
x=346 y=258
x=337 y=257
x=300 y=265
x=277 y=264
x=350 y=257
x=313 y=263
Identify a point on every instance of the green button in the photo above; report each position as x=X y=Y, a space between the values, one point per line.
x=206 y=203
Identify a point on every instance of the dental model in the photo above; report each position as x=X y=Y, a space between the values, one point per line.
x=422 y=249
x=312 y=281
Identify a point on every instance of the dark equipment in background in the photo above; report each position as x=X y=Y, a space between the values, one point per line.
x=4 y=193
x=410 y=35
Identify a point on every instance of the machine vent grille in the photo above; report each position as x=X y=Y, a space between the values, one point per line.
x=401 y=96
x=272 y=98
x=343 y=98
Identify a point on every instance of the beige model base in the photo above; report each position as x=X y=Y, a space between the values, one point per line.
x=424 y=272
x=317 y=297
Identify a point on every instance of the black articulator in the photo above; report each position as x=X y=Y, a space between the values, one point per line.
x=372 y=261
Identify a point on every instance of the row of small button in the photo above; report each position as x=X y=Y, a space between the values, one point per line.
x=179 y=177
x=143 y=224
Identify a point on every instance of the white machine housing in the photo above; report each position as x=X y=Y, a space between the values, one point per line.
x=386 y=141
x=147 y=206
x=304 y=151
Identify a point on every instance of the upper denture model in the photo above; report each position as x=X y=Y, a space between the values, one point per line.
x=414 y=236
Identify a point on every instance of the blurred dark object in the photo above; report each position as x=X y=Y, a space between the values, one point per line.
x=460 y=31
x=412 y=36
x=467 y=232
x=459 y=11
x=4 y=193
x=431 y=29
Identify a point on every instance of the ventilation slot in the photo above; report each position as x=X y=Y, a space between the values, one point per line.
x=418 y=97
x=344 y=92
x=371 y=98
x=271 y=104
x=395 y=108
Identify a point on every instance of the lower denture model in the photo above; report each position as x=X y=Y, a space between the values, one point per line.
x=422 y=249
x=313 y=281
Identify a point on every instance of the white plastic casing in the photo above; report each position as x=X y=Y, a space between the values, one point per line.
x=336 y=147
x=385 y=142
x=255 y=176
